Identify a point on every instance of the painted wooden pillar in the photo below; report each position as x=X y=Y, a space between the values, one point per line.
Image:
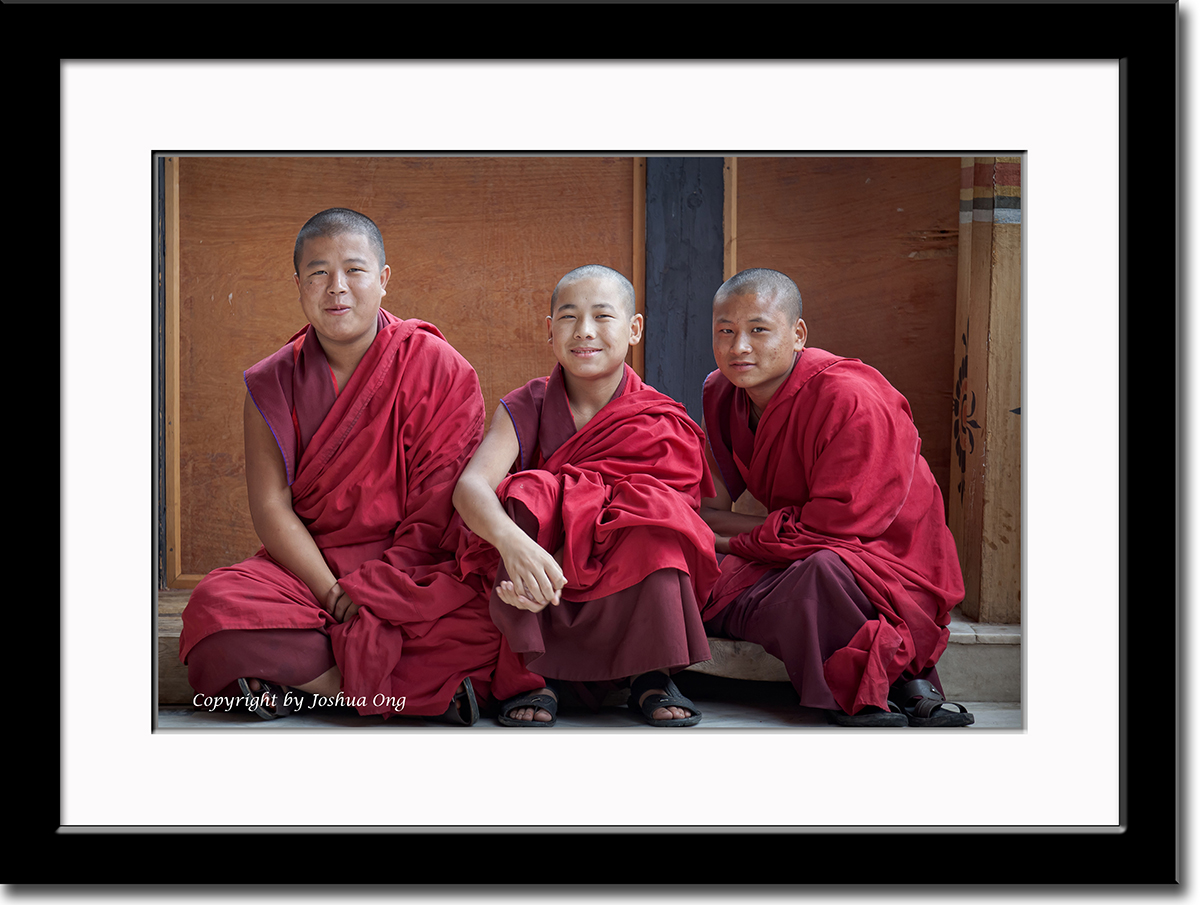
x=985 y=468
x=685 y=208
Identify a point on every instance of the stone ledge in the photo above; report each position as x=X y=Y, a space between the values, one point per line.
x=964 y=632
x=981 y=662
x=741 y=660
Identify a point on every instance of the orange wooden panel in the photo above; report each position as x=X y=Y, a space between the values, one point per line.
x=475 y=246
x=872 y=242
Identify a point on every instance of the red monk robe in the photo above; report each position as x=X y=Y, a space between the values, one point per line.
x=372 y=469
x=836 y=460
x=621 y=497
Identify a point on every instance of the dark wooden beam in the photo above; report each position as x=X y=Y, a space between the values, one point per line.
x=685 y=199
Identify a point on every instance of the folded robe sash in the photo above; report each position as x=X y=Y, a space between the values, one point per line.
x=836 y=460
x=371 y=470
x=621 y=496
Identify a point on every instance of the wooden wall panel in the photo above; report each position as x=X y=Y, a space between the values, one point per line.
x=873 y=245
x=475 y=246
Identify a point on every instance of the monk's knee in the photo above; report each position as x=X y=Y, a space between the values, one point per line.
x=826 y=562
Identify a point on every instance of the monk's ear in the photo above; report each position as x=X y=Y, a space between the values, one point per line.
x=384 y=276
x=549 y=329
x=801 y=334
x=635 y=329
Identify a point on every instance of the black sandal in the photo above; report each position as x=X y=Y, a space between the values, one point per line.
x=256 y=700
x=673 y=697
x=464 y=708
x=924 y=706
x=870 y=717
x=546 y=702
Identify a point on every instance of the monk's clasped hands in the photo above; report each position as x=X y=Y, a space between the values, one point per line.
x=535 y=579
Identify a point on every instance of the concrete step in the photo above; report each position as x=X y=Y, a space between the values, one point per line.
x=981 y=663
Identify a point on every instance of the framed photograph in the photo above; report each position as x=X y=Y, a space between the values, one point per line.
x=1086 y=792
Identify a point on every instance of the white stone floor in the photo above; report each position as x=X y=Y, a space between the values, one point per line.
x=725 y=703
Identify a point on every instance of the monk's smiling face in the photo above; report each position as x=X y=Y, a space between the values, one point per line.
x=591 y=328
x=755 y=340
x=341 y=287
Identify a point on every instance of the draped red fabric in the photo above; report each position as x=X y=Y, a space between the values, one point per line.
x=372 y=473
x=836 y=460
x=621 y=495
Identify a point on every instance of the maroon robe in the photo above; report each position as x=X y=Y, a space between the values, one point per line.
x=836 y=460
x=621 y=497
x=372 y=469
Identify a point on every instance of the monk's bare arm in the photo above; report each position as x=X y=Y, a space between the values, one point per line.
x=536 y=576
x=717 y=511
x=278 y=527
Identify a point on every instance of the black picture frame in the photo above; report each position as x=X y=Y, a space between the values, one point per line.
x=1147 y=848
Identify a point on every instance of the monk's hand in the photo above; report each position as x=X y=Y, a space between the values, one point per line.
x=338 y=603
x=721 y=544
x=535 y=575
x=331 y=597
x=344 y=608
x=507 y=593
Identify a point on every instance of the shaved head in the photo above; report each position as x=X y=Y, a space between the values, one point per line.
x=761 y=281
x=598 y=272
x=335 y=221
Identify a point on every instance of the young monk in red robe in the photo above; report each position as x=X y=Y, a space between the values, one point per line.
x=356 y=432
x=850 y=578
x=584 y=497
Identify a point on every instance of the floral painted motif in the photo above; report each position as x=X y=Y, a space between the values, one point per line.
x=965 y=424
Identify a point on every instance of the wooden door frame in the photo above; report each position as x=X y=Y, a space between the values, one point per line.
x=173 y=575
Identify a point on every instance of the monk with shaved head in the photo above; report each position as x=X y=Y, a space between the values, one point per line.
x=584 y=499
x=356 y=431
x=850 y=577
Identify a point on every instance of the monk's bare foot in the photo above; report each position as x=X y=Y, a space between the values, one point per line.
x=665 y=713
x=654 y=689
x=462 y=701
x=533 y=713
